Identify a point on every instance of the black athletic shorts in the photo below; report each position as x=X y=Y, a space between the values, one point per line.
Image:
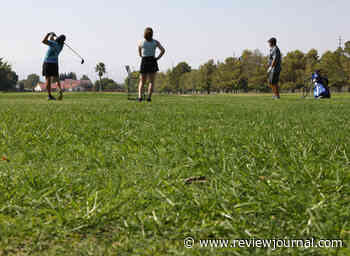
x=149 y=65
x=274 y=77
x=50 y=69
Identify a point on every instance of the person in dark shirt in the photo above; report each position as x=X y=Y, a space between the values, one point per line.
x=275 y=67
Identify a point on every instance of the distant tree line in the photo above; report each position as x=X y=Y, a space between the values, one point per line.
x=8 y=78
x=248 y=73
x=233 y=75
x=70 y=75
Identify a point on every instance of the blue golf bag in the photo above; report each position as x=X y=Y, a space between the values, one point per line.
x=321 y=89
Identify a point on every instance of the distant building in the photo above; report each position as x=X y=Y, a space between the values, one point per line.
x=68 y=85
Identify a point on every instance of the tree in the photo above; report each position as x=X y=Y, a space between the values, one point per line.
x=176 y=73
x=206 y=73
x=347 y=48
x=332 y=65
x=31 y=81
x=228 y=74
x=311 y=62
x=8 y=78
x=70 y=75
x=163 y=84
x=21 y=85
x=85 y=77
x=100 y=69
x=190 y=82
x=108 y=84
x=346 y=61
x=293 y=70
x=253 y=71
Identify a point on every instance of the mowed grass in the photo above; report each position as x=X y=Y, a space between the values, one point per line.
x=96 y=174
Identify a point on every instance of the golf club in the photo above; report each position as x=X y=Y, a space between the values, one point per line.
x=82 y=60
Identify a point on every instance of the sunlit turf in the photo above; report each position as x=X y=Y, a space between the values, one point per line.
x=96 y=174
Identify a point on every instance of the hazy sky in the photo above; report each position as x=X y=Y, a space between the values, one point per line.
x=191 y=30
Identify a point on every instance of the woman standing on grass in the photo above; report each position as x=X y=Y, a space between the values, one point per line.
x=149 y=63
x=50 y=66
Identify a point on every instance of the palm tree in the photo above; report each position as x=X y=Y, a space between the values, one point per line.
x=100 y=70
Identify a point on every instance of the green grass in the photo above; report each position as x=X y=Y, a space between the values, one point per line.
x=98 y=175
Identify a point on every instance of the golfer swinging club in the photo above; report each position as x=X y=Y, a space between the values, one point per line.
x=50 y=66
x=149 y=64
x=275 y=67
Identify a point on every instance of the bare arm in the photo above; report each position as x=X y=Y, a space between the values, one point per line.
x=162 y=51
x=273 y=64
x=140 y=50
x=50 y=35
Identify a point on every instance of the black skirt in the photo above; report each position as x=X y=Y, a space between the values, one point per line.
x=149 y=65
x=50 y=70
